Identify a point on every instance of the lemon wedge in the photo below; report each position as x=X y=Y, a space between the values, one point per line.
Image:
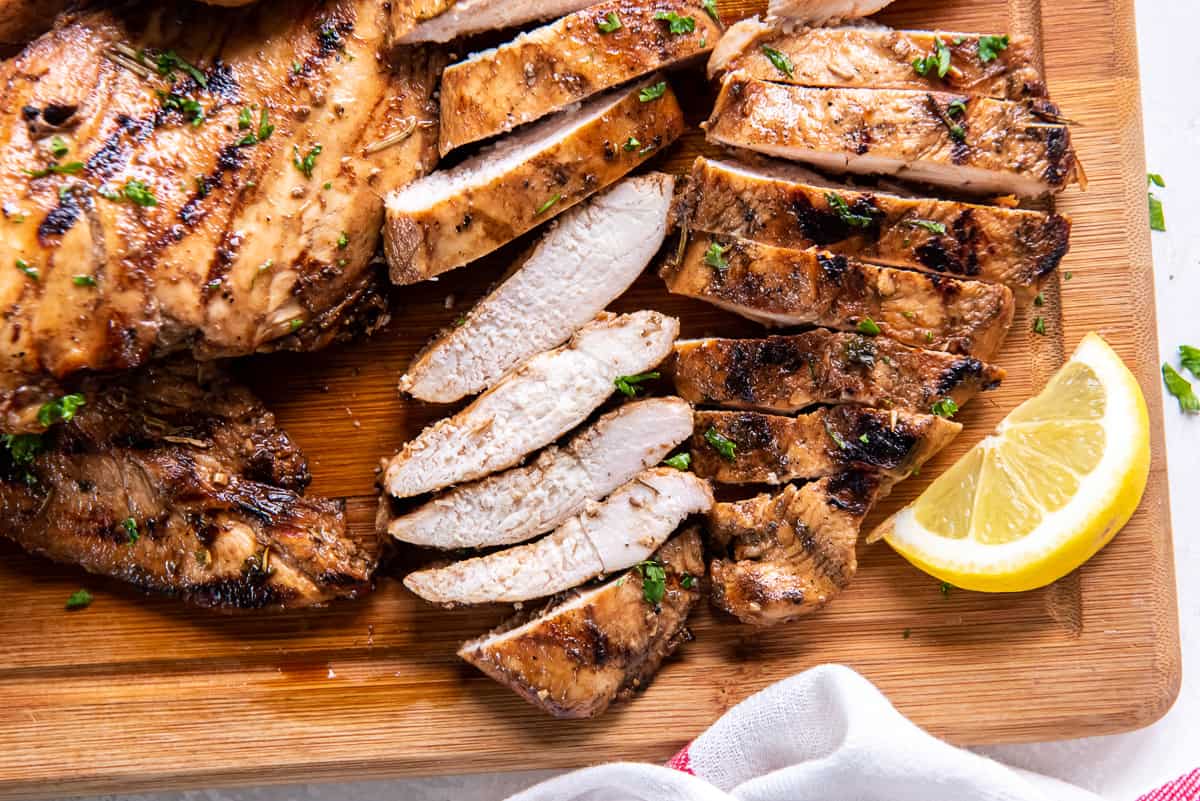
x=1029 y=504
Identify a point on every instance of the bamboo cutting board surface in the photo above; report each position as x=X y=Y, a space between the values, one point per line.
x=140 y=693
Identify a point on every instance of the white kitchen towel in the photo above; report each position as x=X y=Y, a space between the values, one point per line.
x=825 y=735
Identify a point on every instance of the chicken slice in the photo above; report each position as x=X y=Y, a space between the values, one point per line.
x=593 y=646
x=972 y=144
x=521 y=503
x=616 y=534
x=443 y=20
x=756 y=448
x=455 y=216
x=787 y=554
x=585 y=260
x=778 y=286
x=532 y=406
x=789 y=373
x=547 y=69
x=871 y=57
x=1013 y=247
x=823 y=12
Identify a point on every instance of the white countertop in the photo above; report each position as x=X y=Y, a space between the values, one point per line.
x=1119 y=767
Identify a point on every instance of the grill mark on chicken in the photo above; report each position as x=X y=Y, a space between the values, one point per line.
x=788 y=373
x=773 y=205
x=774 y=449
x=153 y=285
x=785 y=555
x=176 y=480
x=590 y=647
x=778 y=286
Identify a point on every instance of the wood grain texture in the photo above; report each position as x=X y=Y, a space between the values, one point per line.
x=138 y=693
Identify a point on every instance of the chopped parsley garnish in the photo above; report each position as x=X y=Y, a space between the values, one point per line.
x=170 y=61
x=343 y=241
x=306 y=164
x=687 y=581
x=628 y=384
x=545 y=207
x=58 y=147
x=70 y=168
x=957 y=108
x=60 y=410
x=675 y=23
x=1189 y=357
x=864 y=439
x=654 y=581
x=134 y=190
x=1158 y=220
x=834 y=435
x=936 y=62
x=83 y=280
x=131 y=529
x=24 y=448
x=859 y=350
x=945 y=588
x=928 y=336
x=931 y=226
x=297 y=68
x=715 y=256
x=710 y=8
x=839 y=205
x=631 y=144
x=1068 y=275
x=1039 y=325
x=1179 y=386
x=946 y=407
x=779 y=60
x=189 y=108
x=244 y=119
x=869 y=327
x=680 y=461
x=80 y=599
x=1153 y=178
x=653 y=92
x=1040 y=299
x=990 y=47
x=721 y=444
x=957 y=132
x=610 y=23
x=265 y=129
x=294 y=323
x=30 y=271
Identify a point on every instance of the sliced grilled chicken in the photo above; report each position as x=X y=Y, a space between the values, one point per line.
x=452 y=217
x=595 y=645
x=547 y=69
x=1006 y=246
x=532 y=406
x=971 y=144
x=787 y=554
x=177 y=480
x=756 y=448
x=616 y=534
x=879 y=58
x=778 y=286
x=187 y=208
x=585 y=260
x=443 y=20
x=521 y=503
x=821 y=12
x=789 y=373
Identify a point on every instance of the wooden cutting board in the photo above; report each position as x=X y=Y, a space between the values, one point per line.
x=138 y=693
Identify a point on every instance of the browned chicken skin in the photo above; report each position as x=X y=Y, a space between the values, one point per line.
x=176 y=479
x=597 y=644
x=178 y=177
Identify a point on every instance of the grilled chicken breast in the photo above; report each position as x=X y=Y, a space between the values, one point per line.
x=521 y=503
x=455 y=216
x=585 y=260
x=176 y=480
x=820 y=12
x=777 y=286
x=787 y=554
x=1013 y=247
x=532 y=406
x=789 y=373
x=182 y=203
x=443 y=20
x=972 y=144
x=879 y=58
x=620 y=532
x=591 y=646
x=547 y=69
x=774 y=449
